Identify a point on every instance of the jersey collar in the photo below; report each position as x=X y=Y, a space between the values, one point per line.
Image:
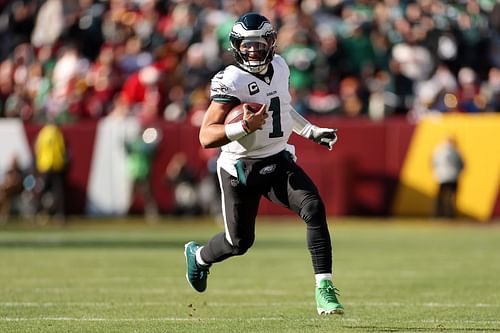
x=267 y=77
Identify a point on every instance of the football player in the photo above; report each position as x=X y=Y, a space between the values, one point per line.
x=256 y=159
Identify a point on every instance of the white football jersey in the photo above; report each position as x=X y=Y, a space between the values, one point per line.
x=236 y=84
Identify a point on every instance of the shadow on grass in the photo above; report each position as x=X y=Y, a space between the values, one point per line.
x=87 y=243
x=438 y=328
x=128 y=243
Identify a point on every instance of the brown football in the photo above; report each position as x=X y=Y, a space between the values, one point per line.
x=236 y=113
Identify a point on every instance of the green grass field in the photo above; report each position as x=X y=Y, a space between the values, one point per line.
x=112 y=276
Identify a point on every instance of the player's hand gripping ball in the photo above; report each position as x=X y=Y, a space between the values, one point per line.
x=236 y=113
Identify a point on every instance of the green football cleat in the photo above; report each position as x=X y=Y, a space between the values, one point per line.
x=195 y=274
x=326 y=299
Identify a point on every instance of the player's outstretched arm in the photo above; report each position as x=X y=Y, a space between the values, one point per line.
x=324 y=136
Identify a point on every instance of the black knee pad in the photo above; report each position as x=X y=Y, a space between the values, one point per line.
x=241 y=246
x=313 y=210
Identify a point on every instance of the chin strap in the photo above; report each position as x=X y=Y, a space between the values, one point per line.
x=264 y=71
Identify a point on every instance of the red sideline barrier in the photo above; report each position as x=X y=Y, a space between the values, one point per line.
x=359 y=177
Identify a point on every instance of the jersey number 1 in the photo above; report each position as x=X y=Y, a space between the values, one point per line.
x=275 y=109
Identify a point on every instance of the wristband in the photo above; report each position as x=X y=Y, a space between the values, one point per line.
x=245 y=125
x=235 y=131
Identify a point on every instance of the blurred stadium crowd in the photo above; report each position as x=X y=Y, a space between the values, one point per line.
x=71 y=60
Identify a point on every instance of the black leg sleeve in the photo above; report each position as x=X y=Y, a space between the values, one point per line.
x=299 y=194
x=318 y=235
x=217 y=249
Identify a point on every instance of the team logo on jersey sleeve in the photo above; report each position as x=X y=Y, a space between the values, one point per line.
x=219 y=88
x=253 y=88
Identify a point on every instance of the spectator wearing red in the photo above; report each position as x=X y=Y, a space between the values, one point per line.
x=143 y=94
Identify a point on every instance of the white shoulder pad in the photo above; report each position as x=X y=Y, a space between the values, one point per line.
x=280 y=64
x=224 y=83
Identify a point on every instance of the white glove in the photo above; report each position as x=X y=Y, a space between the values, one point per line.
x=324 y=136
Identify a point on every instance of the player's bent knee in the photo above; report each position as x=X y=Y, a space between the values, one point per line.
x=238 y=251
x=241 y=247
x=313 y=209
